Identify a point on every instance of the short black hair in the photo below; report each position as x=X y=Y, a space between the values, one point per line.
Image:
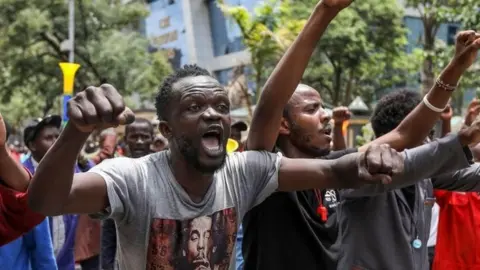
x=164 y=95
x=140 y=120
x=391 y=109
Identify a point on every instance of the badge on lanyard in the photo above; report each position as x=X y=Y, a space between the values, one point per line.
x=417 y=243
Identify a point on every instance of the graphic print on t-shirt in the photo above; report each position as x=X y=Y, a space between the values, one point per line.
x=202 y=243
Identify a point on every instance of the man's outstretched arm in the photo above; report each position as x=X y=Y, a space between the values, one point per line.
x=286 y=76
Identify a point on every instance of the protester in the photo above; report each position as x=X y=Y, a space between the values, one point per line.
x=305 y=218
x=194 y=187
x=457 y=226
x=15 y=216
x=138 y=136
x=398 y=221
x=39 y=136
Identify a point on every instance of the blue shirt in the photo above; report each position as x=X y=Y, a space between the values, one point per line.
x=238 y=251
x=32 y=251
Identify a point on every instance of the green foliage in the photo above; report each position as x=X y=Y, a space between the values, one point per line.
x=434 y=53
x=108 y=47
x=366 y=137
x=361 y=53
x=267 y=34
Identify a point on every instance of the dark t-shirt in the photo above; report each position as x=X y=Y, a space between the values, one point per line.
x=285 y=231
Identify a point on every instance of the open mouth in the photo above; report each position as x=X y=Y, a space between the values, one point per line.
x=327 y=130
x=212 y=140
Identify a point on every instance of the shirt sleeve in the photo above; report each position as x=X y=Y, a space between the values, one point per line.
x=121 y=177
x=429 y=160
x=462 y=180
x=254 y=174
x=16 y=218
x=39 y=244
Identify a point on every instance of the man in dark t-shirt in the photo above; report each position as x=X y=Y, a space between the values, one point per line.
x=297 y=230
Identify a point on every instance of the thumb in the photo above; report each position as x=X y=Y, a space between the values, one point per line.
x=126 y=117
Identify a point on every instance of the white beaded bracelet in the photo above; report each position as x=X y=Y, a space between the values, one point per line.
x=430 y=106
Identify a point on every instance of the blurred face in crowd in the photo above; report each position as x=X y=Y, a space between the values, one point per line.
x=139 y=137
x=43 y=141
x=159 y=144
x=236 y=134
x=307 y=124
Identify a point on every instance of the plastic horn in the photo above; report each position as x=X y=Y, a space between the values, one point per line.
x=232 y=146
x=68 y=70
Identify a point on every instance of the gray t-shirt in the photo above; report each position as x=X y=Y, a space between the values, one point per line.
x=160 y=227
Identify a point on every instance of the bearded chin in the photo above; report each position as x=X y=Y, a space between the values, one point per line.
x=191 y=154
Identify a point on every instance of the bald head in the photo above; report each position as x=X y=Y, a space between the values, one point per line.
x=302 y=93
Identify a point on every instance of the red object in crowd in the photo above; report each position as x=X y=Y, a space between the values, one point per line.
x=15 y=155
x=108 y=144
x=16 y=218
x=458 y=231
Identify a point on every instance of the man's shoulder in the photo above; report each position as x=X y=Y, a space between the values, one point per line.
x=246 y=158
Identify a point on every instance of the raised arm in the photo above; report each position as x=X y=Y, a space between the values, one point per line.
x=416 y=126
x=281 y=84
x=55 y=189
x=11 y=172
x=446 y=160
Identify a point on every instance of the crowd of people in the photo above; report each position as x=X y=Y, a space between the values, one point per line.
x=292 y=196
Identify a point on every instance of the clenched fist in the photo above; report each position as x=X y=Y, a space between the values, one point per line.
x=340 y=115
x=379 y=164
x=98 y=107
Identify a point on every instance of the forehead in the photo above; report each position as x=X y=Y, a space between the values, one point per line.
x=304 y=95
x=197 y=84
x=49 y=130
x=138 y=126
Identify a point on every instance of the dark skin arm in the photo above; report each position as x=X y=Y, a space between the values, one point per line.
x=378 y=165
x=286 y=76
x=413 y=130
x=11 y=172
x=55 y=189
x=66 y=192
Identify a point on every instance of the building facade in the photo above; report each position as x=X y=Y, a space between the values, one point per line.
x=196 y=31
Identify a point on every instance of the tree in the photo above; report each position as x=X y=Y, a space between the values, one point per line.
x=267 y=34
x=361 y=53
x=108 y=47
x=433 y=14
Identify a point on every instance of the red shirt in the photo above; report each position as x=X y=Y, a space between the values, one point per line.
x=458 y=237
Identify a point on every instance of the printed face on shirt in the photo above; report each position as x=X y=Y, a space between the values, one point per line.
x=307 y=123
x=202 y=243
x=44 y=140
x=200 y=124
x=139 y=137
